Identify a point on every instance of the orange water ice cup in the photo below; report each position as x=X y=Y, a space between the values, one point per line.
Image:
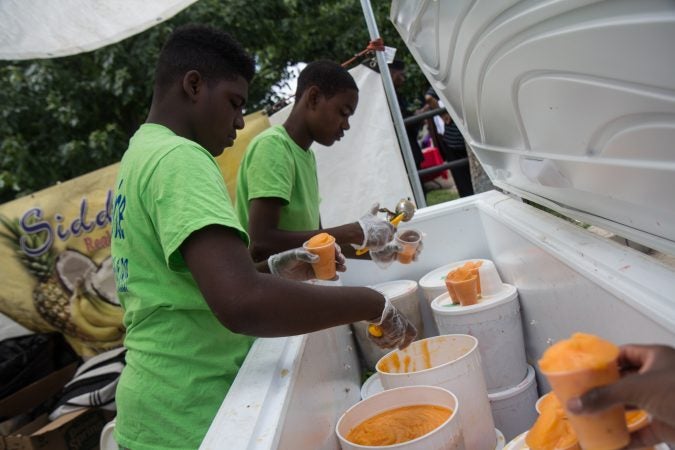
x=323 y=245
x=463 y=284
x=576 y=365
x=409 y=241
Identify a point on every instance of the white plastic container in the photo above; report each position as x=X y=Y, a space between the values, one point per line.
x=403 y=294
x=513 y=409
x=518 y=443
x=451 y=362
x=433 y=283
x=448 y=436
x=495 y=321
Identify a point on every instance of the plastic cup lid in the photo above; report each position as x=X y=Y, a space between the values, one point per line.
x=436 y=278
x=395 y=289
x=371 y=386
x=443 y=304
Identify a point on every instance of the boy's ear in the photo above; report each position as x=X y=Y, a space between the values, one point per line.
x=313 y=94
x=192 y=84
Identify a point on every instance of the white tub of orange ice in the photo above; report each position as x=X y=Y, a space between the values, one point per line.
x=392 y=420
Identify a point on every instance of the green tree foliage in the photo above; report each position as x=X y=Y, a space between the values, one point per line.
x=64 y=117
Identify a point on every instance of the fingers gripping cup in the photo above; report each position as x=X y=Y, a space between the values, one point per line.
x=323 y=245
x=574 y=366
x=409 y=240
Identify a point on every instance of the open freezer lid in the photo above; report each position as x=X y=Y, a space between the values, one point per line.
x=570 y=103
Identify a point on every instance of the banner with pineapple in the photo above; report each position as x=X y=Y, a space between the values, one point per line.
x=56 y=268
x=56 y=272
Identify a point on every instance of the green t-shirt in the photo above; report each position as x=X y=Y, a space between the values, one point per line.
x=180 y=360
x=275 y=166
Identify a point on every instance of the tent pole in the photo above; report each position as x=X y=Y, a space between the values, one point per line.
x=408 y=158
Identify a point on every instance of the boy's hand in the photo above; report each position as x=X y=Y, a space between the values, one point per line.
x=648 y=383
x=296 y=264
x=377 y=232
x=396 y=330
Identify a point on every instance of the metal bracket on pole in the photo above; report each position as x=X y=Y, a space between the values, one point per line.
x=401 y=134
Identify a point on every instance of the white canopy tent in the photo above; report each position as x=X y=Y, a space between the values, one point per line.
x=31 y=29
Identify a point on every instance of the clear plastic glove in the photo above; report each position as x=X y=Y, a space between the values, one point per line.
x=296 y=264
x=389 y=253
x=394 y=329
x=377 y=232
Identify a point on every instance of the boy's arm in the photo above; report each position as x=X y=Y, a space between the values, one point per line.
x=248 y=302
x=267 y=238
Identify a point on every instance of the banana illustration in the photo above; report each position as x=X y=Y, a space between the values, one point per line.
x=101 y=316
x=88 y=330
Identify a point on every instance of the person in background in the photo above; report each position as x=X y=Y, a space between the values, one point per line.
x=648 y=382
x=192 y=297
x=453 y=147
x=398 y=77
x=277 y=183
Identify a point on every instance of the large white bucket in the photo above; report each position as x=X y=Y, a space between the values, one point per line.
x=513 y=409
x=404 y=295
x=448 y=436
x=495 y=321
x=451 y=362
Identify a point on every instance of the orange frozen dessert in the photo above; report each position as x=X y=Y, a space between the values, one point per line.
x=573 y=367
x=323 y=244
x=552 y=430
x=399 y=425
x=463 y=283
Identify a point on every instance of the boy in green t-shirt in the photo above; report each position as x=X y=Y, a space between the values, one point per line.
x=277 y=186
x=191 y=294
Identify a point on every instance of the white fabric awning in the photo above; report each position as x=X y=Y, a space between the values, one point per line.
x=50 y=28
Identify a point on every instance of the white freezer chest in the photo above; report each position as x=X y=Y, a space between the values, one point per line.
x=570 y=104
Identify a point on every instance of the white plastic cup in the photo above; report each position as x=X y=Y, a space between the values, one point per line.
x=490 y=282
x=513 y=409
x=107 y=438
x=448 y=436
x=495 y=321
x=404 y=295
x=451 y=362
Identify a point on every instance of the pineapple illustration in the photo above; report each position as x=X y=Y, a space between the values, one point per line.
x=60 y=296
x=49 y=298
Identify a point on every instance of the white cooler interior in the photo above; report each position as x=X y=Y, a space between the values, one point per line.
x=291 y=391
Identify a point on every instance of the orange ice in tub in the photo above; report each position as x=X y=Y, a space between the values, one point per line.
x=399 y=425
x=552 y=430
x=323 y=244
x=573 y=367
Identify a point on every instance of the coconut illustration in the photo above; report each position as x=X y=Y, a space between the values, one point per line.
x=102 y=283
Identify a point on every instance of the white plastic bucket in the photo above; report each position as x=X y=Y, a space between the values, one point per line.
x=448 y=436
x=495 y=321
x=451 y=362
x=433 y=283
x=513 y=409
x=404 y=295
x=518 y=443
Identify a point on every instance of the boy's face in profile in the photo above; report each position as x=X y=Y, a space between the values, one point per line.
x=219 y=113
x=331 y=116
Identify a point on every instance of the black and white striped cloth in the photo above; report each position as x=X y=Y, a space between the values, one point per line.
x=93 y=385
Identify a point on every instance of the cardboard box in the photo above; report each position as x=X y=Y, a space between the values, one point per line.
x=79 y=430
x=36 y=393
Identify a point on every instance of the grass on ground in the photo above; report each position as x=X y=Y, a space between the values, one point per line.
x=440 y=196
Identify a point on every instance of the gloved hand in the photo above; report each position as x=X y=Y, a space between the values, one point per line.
x=376 y=231
x=388 y=254
x=396 y=330
x=296 y=264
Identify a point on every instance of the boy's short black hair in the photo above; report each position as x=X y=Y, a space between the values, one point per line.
x=331 y=78
x=211 y=52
